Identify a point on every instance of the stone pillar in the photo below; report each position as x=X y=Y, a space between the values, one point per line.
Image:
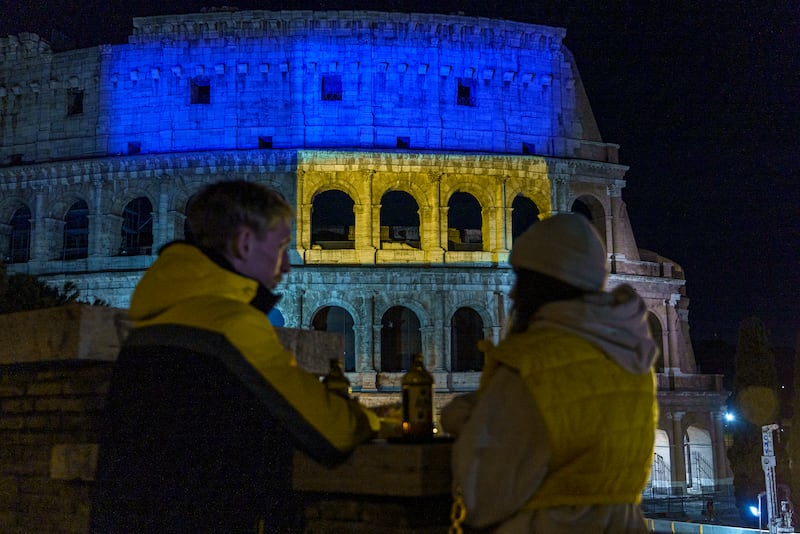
x=163 y=225
x=612 y=232
x=503 y=212
x=40 y=246
x=677 y=459
x=54 y=238
x=560 y=193
x=489 y=226
x=376 y=345
x=363 y=344
x=96 y=231
x=721 y=474
x=440 y=334
x=376 y=226
x=434 y=243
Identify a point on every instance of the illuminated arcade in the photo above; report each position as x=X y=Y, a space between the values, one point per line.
x=414 y=147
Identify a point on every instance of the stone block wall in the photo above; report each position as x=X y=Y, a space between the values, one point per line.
x=49 y=417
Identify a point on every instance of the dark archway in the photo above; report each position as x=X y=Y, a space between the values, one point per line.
x=592 y=209
x=137 y=228
x=400 y=219
x=333 y=220
x=76 y=232
x=524 y=214
x=466 y=329
x=464 y=222
x=657 y=334
x=400 y=339
x=19 y=245
x=337 y=320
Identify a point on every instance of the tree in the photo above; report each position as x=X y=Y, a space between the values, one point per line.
x=755 y=399
x=22 y=292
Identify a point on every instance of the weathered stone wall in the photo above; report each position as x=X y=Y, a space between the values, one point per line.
x=49 y=417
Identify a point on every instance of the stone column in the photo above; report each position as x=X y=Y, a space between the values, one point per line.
x=96 y=226
x=677 y=459
x=433 y=242
x=39 y=230
x=163 y=225
x=721 y=474
x=440 y=336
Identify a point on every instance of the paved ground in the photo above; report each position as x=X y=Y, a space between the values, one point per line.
x=691 y=509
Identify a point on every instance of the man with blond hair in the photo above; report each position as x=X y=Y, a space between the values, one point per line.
x=206 y=407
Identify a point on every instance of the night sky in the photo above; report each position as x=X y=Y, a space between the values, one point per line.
x=703 y=97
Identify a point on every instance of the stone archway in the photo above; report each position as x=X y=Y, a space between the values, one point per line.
x=333 y=220
x=400 y=338
x=337 y=320
x=699 y=457
x=466 y=329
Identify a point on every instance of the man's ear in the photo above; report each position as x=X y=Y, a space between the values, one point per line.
x=242 y=243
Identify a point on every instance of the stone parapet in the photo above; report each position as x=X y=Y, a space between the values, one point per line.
x=72 y=332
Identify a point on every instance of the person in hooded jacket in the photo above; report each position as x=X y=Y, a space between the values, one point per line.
x=206 y=407
x=560 y=436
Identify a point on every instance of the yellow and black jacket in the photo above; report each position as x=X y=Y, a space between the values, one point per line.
x=206 y=409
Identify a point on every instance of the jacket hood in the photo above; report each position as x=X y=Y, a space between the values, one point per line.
x=615 y=321
x=184 y=272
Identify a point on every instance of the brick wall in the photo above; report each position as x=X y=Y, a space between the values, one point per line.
x=49 y=416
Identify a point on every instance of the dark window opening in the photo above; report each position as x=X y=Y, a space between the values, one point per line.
x=76 y=232
x=528 y=148
x=466 y=92
x=264 y=141
x=403 y=142
x=201 y=90
x=188 y=234
x=333 y=221
x=400 y=339
x=466 y=329
x=331 y=87
x=399 y=221
x=137 y=228
x=524 y=213
x=464 y=223
x=15 y=159
x=657 y=334
x=19 y=247
x=591 y=208
x=337 y=320
x=134 y=147
x=74 y=102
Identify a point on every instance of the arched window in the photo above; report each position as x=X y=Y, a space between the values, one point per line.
x=464 y=223
x=660 y=483
x=699 y=456
x=76 y=231
x=338 y=321
x=466 y=329
x=188 y=235
x=657 y=334
x=399 y=220
x=524 y=213
x=137 y=228
x=333 y=221
x=592 y=209
x=19 y=246
x=400 y=339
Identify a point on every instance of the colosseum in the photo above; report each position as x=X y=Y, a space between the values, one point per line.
x=415 y=148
